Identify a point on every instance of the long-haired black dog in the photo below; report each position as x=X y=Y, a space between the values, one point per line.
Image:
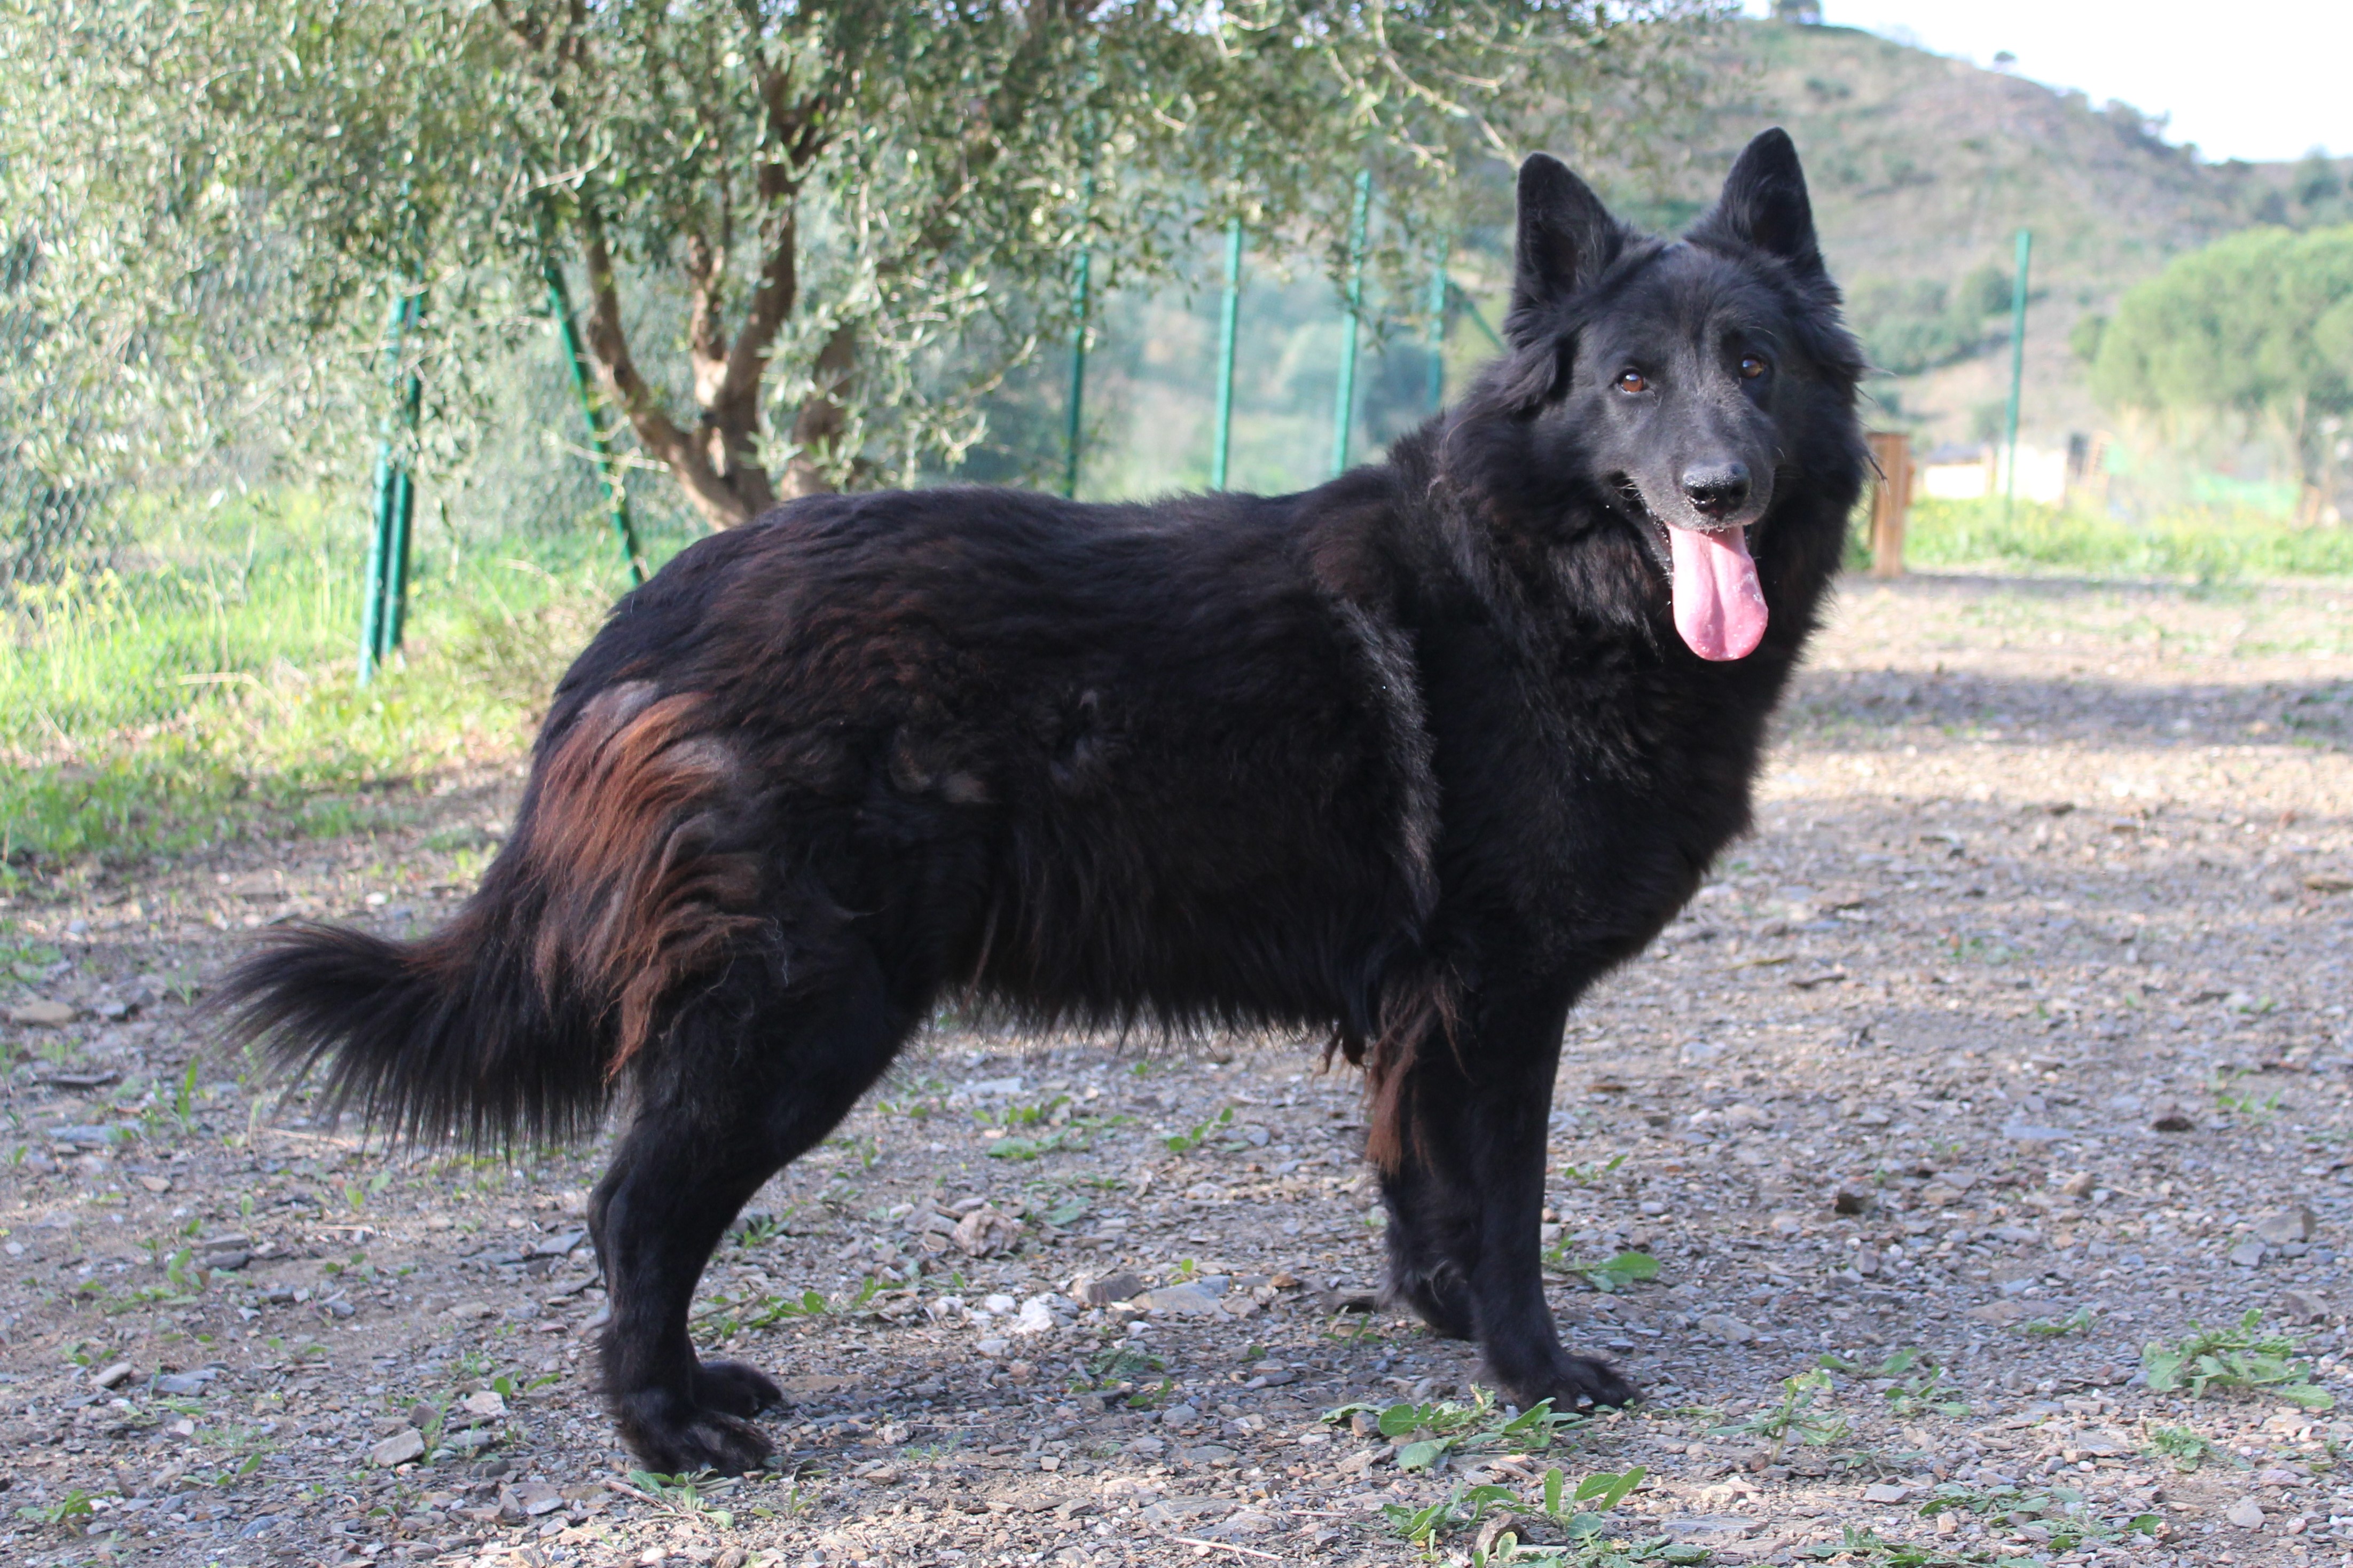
x=1411 y=757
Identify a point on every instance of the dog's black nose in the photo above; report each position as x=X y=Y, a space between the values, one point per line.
x=1716 y=489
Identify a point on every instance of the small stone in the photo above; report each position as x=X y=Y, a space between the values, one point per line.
x=185 y=1385
x=1725 y=1327
x=1747 y=1115
x=1365 y=1423
x=2078 y=1185
x=399 y=1449
x=159 y=1185
x=2306 y=1306
x=487 y=1402
x=536 y=1498
x=993 y=1348
x=985 y=1232
x=2172 y=1117
x=1102 y=1292
x=2246 y=1513
x=2247 y=1254
x=1182 y=1301
x=2281 y=1226
x=111 y=1376
x=1999 y=1313
x=41 y=1013
x=1787 y=1223
x=1886 y=1492
x=1037 y=1317
x=472 y=1311
x=1852 y=1200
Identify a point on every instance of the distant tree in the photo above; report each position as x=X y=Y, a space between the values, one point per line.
x=864 y=210
x=2316 y=180
x=2255 y=331
x=2083 y=338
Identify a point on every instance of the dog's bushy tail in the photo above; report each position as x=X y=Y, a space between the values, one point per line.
x=634 y=876
x=447 y=1037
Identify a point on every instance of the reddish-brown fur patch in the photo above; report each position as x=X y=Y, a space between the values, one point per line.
x=636 y=844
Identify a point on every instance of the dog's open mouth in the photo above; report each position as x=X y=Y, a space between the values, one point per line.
x=1719 y=603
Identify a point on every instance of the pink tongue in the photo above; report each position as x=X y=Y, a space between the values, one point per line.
x=1719 y=607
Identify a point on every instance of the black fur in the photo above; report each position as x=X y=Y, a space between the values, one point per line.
x=1412 y=757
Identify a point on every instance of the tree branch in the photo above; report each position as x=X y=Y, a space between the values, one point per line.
x=656 y=431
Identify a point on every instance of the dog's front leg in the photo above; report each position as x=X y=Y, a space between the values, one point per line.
x=1466 y=1201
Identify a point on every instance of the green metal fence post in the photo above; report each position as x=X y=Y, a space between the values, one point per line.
x=2016 y=368
x=372 y=597
x=1344 y=401
x=1435 y=392
x=394 y=620
x=616 y=497
x=1229 y=318
x=1073 y=430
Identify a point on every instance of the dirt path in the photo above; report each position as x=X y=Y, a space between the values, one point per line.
x=2014 y=1039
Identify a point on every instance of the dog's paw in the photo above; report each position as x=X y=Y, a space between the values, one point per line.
x=1574 y=1382
x=709 y=1442
x=673 y=1437
x=733 y=1389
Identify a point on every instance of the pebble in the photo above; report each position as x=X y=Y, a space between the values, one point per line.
x=111 y=1376
x=2246 y=1513
x=1182 y=1301
x=1725 y=1327
x=399 y=1449
x=2281 y=1227
x=1102 y=1292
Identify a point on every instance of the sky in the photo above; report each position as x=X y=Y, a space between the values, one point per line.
x=2258 y=79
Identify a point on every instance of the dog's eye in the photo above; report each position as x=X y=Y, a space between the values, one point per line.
x=1751 y=367
x=1632 y=381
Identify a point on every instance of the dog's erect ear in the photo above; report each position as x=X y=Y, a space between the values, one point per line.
x=1764 y=205
x=1566 y=237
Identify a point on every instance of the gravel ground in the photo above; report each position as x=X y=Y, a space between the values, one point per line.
x=2013 y=1040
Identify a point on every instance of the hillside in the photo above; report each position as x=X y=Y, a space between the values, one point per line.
x=1923 y=168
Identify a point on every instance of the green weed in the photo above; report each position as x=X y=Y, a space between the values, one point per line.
x=1910 y=1380
x=1186 y=1142
x=2078 y=1321
x=1437 y=1429
x=2239 y=1102
x=1591 y=1171
x=1580 y=1513
x=68 y=1509
x=1796 y=1415
x=1613 y=1274
x=681 y=1498
x=2067 y=1519
x=2186 y=1449
x=2237 y=1357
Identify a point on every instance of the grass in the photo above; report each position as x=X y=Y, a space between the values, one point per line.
x=206 y=688
x=2235 y=1356
x=2202 y=546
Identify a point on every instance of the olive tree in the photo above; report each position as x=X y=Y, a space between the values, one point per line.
x=811 y=234
x=2254 y=335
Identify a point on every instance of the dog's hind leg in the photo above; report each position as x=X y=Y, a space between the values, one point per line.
x=743 y=1084
x=1466 y=1201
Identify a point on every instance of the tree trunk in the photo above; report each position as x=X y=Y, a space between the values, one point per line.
x=819 y=424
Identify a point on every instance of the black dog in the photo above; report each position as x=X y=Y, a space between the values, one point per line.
x=1411 y=757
